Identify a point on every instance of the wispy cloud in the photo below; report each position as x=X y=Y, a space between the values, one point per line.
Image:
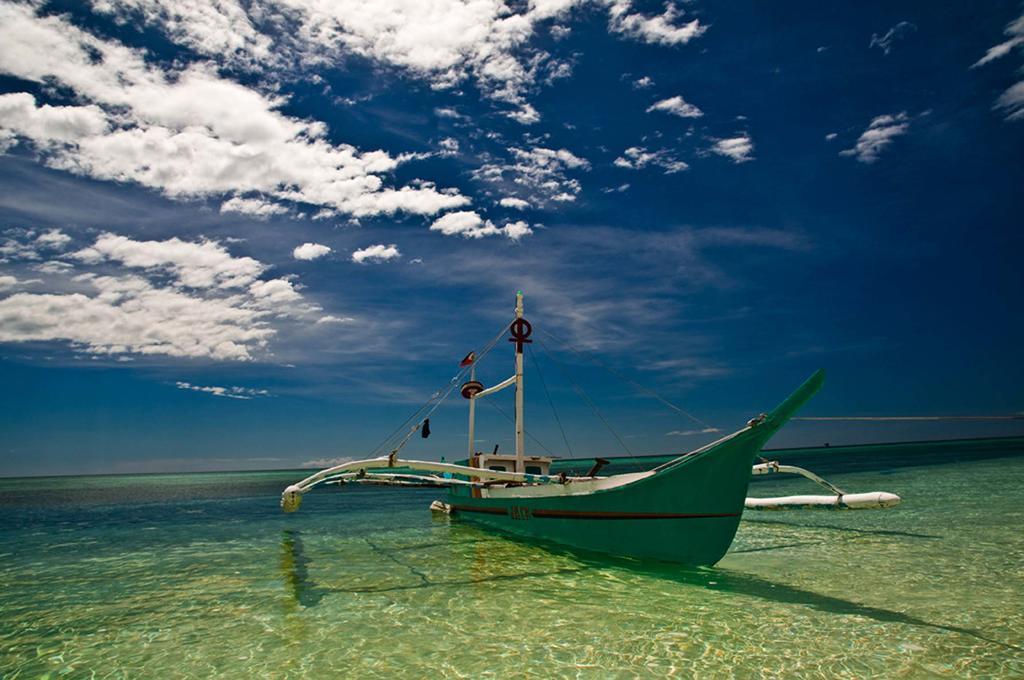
x=686 y=433
x=738 y=149
x=255 y=207
x=886 y=41
x=637 y=158
x=1011 y=101
x=326 y=462
x=543 y=172
x=879 y=135
x=228 y=392
x=566 y=276
x=677 y=106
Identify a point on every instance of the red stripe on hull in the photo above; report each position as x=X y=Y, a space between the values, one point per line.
x=583 y=514
x=573 y=514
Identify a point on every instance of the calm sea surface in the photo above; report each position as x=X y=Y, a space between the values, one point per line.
x=201 y=575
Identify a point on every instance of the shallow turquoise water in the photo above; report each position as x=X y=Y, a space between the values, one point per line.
x=201 y=575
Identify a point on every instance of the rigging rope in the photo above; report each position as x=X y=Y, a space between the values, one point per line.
x=632 y=382
x=547 y=394
x=527 y=432
x=440 y=395
x=586 y=399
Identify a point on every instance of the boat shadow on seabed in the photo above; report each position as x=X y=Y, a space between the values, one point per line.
x=303 y=592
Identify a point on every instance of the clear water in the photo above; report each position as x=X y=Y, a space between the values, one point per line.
x=201 y=576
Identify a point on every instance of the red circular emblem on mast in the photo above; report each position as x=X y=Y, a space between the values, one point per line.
x=521 y=330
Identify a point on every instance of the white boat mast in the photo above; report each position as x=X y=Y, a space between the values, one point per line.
x=518 y=325
x=472 y=414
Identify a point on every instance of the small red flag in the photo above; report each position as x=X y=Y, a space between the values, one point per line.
x=470 y=358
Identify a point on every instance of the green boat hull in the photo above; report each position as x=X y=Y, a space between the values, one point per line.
x=686 y=513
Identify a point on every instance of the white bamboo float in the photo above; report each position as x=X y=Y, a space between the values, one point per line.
x=838 y=500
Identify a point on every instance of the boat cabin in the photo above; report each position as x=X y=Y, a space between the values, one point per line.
x=532 y=465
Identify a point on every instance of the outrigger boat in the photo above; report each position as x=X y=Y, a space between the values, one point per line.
x=686 y=510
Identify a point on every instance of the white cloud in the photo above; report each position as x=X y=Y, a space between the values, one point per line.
x=53 y=267
x=310 y=251
x=830 y=136
x=129 y=315
x=274 y=294
x=203 y=264
x=1012 y=100
x=643 y=83
x=54 y=239
x=898 y=32
x=190 y=133
x=448 y=112
x=636 y=158
x=616 y=190
x=736 y=148
x=19 y=244
x=677 y=106
x=660 y=29
x=541 y=171
x=879 y=135
x=557 y=70
x=229 y=392
x=514 y=203
x=684 y=433
x=183 y=299
x=461 y=222
x=49 y=125
x=449 y=146
x=325 y=462
x=8 y=282
x=376 y=254
x=524 y=115
x=1000 y=50
x=252 y=206
x=216 y=28
x=468 y=224
x=516 y=230
x=330 y=318
x=443 y=42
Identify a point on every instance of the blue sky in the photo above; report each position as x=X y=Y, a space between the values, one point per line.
x=258 y=234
